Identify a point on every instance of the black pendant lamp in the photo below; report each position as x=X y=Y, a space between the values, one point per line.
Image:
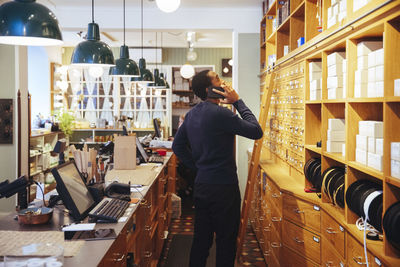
x=92 y=52
x=25 y=22
x=124 y=66
x=146 y=76
x=159 y=83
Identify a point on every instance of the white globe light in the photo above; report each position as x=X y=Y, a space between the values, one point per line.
x=230 y=62
x=96 y=71
x=168 y=6
x=226 y=70
x=187 y=71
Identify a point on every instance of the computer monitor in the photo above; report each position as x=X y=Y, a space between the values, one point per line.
x=73 y=191
x=156 y=128
x=141 y=150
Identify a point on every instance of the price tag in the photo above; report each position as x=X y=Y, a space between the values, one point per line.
x=316 y=239
x=341 y=228
x=377 y=261
x=341 y=264
x=316 y=207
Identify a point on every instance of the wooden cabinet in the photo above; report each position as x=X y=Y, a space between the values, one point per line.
x=356 y=256
x=330 y=257
x=292 y=259
x=116 y=255
x=333 y=233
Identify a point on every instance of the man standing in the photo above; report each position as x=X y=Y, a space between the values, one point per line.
x=205 y=142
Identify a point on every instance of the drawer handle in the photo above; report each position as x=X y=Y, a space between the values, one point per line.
x=267 y=253
x=267 y=229
x=120 y=259
x=329 y=264
x=276 y=219
x=298 y=240
x=330 y=231
x=257 y=229
x=297 y=211
x=358 y=260
x=147 y=228
x=276 y=245
x=274 y=195
x=148 y=254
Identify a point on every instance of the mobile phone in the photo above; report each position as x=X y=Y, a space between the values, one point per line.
x=212 y=94
x=98 y=234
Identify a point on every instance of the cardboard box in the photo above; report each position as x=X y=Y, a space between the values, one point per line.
x=315 y=76
x=330 y=13
x=342 y=15
x=395 y=150
x=379 y=74
x=361 y=156
x=125 y=152
x=362 y=62
x=371 y=75
x=335 y=70
x=332 y=21
x=362 y=142
x=371 y=89
x=371 y=144
x=366 y=47
x=372 y=59
x=344 y=66
x=371 y=128
x=334 y=81
x=395 y=168
x=397 y=87
x=374 y=161
x=334 y=147
x=335 y=9
x=335 y=58
x=380 y=89
x=361 y=76
x=360 y=90
x=316 y=94
x=315 y=66
x=343 y=6
x=336 y=124
x=337 y=136
x=335 y=93
x=379 y=56
x=379 y=146
x=315 y=85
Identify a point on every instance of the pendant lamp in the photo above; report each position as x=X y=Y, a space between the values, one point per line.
x=159 y=83
x=165 y=80
x=187 y=71
x=124 y=66
x=25 y=22
x=168 y=6
x=146 y=77
x=93 y=53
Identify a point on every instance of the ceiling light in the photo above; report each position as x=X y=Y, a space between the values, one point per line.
x=124 y=66
x=168 y=6
x=187 y=71
x=230 y=62
x=25 y=22
x=92 y=51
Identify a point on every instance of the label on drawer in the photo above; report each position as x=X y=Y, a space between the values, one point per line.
x=377 y=261
x=341 y=228
x=316 y=239
x=316 y=207
x=341 y=264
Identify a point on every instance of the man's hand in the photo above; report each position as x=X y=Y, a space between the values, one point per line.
x=230 y=94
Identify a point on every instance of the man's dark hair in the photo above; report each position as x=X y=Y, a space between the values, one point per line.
x=199 y=84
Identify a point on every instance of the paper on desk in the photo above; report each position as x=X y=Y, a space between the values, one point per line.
x=79 y=227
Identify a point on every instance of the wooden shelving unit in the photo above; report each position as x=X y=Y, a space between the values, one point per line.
x=377 y=20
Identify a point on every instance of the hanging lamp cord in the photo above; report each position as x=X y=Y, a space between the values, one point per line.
x=156 y=49
x=142 y=26
x=124 y=23
x=92 y=11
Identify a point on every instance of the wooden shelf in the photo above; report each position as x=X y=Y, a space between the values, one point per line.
x=313 y=102
x=393 y=181
x=182 y=92
x=334 y=101
x=366 y=169
x=314 y=148
x=181 y=106
x=335 y=156
x=366 y=100
x=272 y=9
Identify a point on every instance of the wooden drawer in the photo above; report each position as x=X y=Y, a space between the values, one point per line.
x=275 y=244
x=292 y=259
x=333 y=232
x=355 y=254
x=302 y=241
x=330 y=257
x=116 y=255
x=276 y=220
x=274 y=196
x=302 y=212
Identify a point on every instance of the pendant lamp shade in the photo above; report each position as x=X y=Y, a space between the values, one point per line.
x=92 y=51
x=168 y=6
x=159 y=82
x=166 y=83
x=145 y=75
x=25 y=22
x=187 y=71
x=124 y=66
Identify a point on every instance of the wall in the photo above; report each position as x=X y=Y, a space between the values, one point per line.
x=248 y=86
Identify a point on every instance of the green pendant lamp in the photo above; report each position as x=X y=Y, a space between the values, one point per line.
x=146 y=77
x=159 y=83
x=124 y=66
x=92 y=52
x=165 y=80
x=25 y=22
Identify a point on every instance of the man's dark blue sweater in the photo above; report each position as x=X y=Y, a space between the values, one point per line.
x=205 y=140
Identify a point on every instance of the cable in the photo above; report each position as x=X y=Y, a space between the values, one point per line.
x=124 y=22
x=142 y=25
x=92 y=11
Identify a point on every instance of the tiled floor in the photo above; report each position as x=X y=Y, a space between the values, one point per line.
x=252 y=255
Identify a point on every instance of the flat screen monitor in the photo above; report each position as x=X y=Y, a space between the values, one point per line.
x=156 y=128
x=73 y=191
x=141 y=150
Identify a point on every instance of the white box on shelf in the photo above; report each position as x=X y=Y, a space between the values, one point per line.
x=315 y=85
x=360 y=90
x=344 y=90
x=343 y=5
x=285 y=50
x=186 y=86
x=315 y=66
x=344 y=150
x=372 y=59
x=342 y=15
x=335 y=9
x=315 y=94
x=315 y=76
x=379 y=89
x=179 y=80
x=375 y=161
x=371 y=89
x=336 y=124
x=371 y=75
x=379 y=146
x=334 y=81
x=335 y=70
x=379 y=56
x=361 y=156
x=397 y=87
x=361 y=76
x=335 y=58
x=395 y=168
x=362 y=142
x=371 y=128
x=333 y=2
x=395 y=150
x=334 y=147
x=330 y=13
x=337 y=136
x=362 y=62
x=379 y=74
x=366 y=47
x=335 y=93
x=344 y=66
x=371 y=144
x=332 y=21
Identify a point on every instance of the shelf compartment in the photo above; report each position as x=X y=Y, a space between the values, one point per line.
x=272 y=9
x=311 y=21
x=391 y=45
x=313 y=124
x=283 y=38
x=297 y=26
x=330 y=111
x=327 y=162
x=313 y=148
x=335 y=156
x=391 y=195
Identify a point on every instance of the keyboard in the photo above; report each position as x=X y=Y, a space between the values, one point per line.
x=156 y=159
x=109 y=210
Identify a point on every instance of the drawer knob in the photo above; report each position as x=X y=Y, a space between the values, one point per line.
x=120 y=258
x=330 y=231
x=298 y=240
x=276 y=245
x=267 y=253
x=274 y=195
x=276 y=219
x=328 y=264
x=267 y=229
x=358 y=260
x=297 y=211
x=148 y=254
